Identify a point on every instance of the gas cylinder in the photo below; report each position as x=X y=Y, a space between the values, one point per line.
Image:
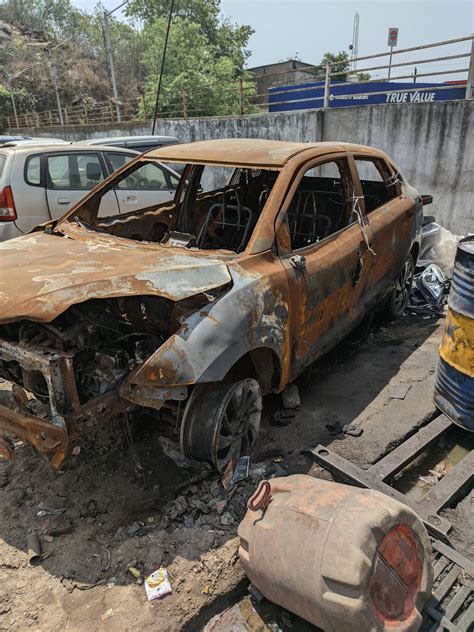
x=454 y=386
x=343 y=558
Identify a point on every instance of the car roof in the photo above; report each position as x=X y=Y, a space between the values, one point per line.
x=34 y=148
x=252 y=152
x=131 y=139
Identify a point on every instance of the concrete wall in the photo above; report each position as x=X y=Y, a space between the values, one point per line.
x=429 y=141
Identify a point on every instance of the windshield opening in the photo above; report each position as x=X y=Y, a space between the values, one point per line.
x=207 y=207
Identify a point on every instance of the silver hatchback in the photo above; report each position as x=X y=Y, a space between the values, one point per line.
x=38 y=183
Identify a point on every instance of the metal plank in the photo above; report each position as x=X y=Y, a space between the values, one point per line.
x=439 y=566
x=407 y=451
x=447 y=583
x=448 y=487
x=442 y=623
x=454 y=556
x=437 y=525
x=466 y=622
x=456 y=602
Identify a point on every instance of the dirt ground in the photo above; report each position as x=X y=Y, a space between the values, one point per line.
x=120 y=504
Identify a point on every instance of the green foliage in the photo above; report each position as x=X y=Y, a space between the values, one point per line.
x=4 y=103
x=340 y=61
x=206 y=76
x=205 y=58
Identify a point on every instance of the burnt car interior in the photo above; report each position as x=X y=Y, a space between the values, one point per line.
x=379 y=186
x=221 y=217
x=322 y=204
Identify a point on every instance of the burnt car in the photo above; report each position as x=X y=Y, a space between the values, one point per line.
x=268 y=255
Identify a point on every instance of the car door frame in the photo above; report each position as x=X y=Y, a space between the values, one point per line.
x=392 y=228
x=68 y=152
x=355 y=250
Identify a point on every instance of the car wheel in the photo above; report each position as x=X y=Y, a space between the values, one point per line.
x=221 y=421
x=397 y=300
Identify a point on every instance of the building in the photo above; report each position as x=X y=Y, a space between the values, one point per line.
x=284 y=73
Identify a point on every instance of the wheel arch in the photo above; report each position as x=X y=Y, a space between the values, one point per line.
x=261 y=363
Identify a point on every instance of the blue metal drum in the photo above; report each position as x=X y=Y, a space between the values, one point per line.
x=454 y=387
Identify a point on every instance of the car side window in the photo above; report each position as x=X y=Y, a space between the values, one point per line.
x=33 y=170
x=149 y=177
x=118 y=160
x=74 y=171
x=322 y=204
x=378 y=184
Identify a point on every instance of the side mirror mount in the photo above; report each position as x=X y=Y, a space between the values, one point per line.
x=426 y=199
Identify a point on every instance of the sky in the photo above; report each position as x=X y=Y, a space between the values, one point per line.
x=309 y=28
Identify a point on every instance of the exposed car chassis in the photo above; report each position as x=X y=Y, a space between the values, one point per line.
x=68 y=417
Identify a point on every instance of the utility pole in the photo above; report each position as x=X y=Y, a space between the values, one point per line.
x=355 y=41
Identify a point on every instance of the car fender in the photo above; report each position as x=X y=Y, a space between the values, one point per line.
x=211 y=340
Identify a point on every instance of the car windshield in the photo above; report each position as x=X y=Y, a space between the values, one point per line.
x=208 y=207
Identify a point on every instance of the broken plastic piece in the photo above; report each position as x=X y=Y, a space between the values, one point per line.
x=157 y=584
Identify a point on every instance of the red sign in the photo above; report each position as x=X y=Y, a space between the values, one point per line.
x=392 y=36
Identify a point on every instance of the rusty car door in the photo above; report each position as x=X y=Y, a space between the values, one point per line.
x=390 y=215
x=325 y=278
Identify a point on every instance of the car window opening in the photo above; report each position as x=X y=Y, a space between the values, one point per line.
x=379 y=185
x=216 y=208
x=322 y=204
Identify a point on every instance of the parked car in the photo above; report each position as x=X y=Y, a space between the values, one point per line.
x=137 y=143
x=39 y=182
x=6 y=138
x=268 y=255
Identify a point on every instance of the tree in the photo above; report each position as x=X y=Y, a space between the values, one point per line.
x=206 y=76
x=4 y=103
x=341 y=64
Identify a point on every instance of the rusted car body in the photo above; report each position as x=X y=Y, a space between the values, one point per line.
x=199 y=305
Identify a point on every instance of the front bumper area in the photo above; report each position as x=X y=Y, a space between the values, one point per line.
x=56 y=431
x=46 y=437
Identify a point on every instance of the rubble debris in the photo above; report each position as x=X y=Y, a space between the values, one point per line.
x=384 y=556
x=241 y=470
x=336 y=429
x=173 y=452
x=438 y=246
x=290 y=397
x=429 y=291
x=34 y=549
x=64 y=526
x=157 y=584
x=282 y=417
x=108 y=614
x=53 y=507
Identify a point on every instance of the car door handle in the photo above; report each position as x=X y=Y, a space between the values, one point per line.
x=298 y=262
x=64 y=201
x=131 y=198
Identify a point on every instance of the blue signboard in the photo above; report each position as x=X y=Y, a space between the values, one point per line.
x=310 y=95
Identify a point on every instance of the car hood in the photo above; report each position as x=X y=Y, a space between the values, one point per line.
x=42 y=275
